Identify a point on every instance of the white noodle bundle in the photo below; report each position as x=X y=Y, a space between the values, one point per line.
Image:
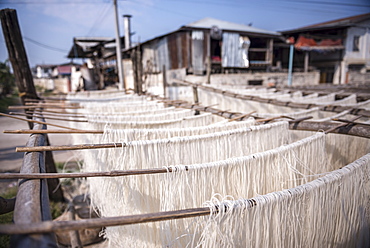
x=189 y=121
x=134 y=113
x=164 y=133
x=99 y=94
x=196 y=149
x=314 y=112
x=332 y=211
x=261 y=173
x=330 y=98
x=341 y=149
x=243 y=106
x=132 y=195
x=151 y=117
x=111 y=107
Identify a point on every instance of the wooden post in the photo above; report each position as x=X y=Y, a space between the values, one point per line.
x=139 y=68
x=196 y=98
x=134 y=69
x=74 y=235
x=164 y=81
x=306 y=60
x=209 y=67
x=269 y=51
x=23 y=75
x=17 y=54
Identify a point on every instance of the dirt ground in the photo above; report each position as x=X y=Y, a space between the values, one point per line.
x=11 y=161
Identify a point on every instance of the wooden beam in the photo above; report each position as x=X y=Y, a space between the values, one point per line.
x=341 y=125
x=351 y=122
x=32 y=204
x=351 y=129
x=330 y=108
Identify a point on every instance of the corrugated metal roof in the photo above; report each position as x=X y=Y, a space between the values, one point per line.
x=342 y=22
x=208 y=22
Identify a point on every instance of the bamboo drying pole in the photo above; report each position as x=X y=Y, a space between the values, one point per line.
x=44 y=106
x=241 y=117
x=69 y=147
x=58 y=114
x=39 y=122
x=55 y=131
x=115 y=173
x=41 y=102
x=51 y=118
x=54 y=226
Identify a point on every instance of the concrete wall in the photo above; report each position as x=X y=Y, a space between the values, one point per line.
x=45 y=84
x=357 y=77
x=58 y=85
x=62 y=85
x=266 y=78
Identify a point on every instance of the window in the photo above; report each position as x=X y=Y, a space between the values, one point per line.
x=356 y=43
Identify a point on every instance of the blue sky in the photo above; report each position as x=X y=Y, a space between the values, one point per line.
x=48 y=26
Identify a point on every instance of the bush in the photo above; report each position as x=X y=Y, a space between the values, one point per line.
x=7 y=81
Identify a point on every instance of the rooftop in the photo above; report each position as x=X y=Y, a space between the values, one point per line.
x=207 y=23
x=342 y=22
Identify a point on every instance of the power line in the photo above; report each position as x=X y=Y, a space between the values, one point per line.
x=330 y=3
x=44 y=45
x=244 y=3
x=101 y=17
x=56 y=2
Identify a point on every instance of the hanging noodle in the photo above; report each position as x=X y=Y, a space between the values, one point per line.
x=332 y=211
x=189 y=121
x=151 y=117
x=135 y=195
x=164 y=133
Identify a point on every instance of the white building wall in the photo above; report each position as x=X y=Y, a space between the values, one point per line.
x=363 y=55
x=128 y=74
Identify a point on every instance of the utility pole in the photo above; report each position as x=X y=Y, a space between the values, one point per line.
x=121 y=79
x=290 y=69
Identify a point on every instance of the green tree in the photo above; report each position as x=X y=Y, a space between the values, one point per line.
x=7 y=81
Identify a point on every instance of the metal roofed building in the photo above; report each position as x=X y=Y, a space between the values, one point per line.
x=340 y=49
x=100 y=54
x=227 y=45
